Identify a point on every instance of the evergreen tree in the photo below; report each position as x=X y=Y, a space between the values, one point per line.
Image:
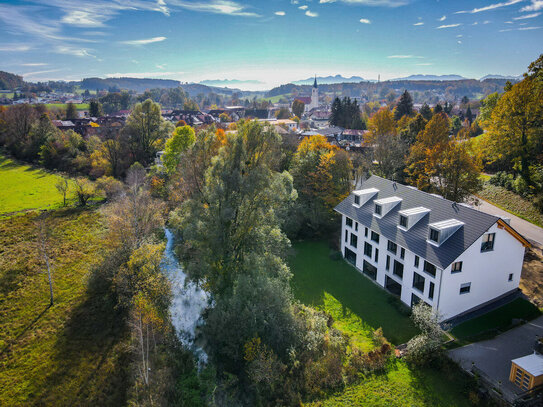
x=426 y=112
x=336 y=112
x=95 y=108
x=438 y=109
x=405 y=106
x=469 y=115
x=71 y=112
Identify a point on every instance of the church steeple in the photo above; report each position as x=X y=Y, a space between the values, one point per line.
x=315 y=84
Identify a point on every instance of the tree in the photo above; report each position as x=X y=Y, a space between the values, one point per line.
x=389 y=149
x=181 y=139
x=438 y=109
x=283 y=113
x=456 y=124
x=427 y=345
x=404 y=107
x=298 y=108
x=62 y=187
x=469 y=115
x=426 y=112
x=84 y=190
x=95 y=108
x=487 y=105
x=71 y=112
x=190 y=105
x=146 y=131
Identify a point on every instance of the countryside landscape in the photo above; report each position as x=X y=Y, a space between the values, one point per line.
x=284 y=203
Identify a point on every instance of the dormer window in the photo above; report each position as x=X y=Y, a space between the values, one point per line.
x=410 y=217
x=403 y=221
x=385 y=205
x=378 y=210
x=357 y=200
x=434 y=235
x=363 y=195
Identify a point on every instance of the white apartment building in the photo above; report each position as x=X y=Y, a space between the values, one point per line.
x=422 y=247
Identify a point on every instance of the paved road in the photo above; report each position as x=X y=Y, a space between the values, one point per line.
x=528 y=230
x=494 y=356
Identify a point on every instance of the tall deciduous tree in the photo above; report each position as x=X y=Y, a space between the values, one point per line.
x=95 y=108
x=298 y=107
x=181 y=139
x=146 y=131
x=71 y=111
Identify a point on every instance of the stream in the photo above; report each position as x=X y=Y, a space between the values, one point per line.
x=188 y=301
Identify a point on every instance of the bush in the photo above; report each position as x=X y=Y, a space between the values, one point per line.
x=110 y=186
x=84 y=190
x=502 y=179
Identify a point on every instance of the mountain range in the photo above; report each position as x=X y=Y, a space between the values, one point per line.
x=329 y=80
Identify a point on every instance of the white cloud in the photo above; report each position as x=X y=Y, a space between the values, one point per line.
x=34 y=64
x=448 y=26
x=486 y=22
x=215 y=6
x=419 y=23
x=459 y=36
x=280 y=13
x=535 y=6
x=82 y=19
x=365 y=21
x=144 y=41
x=404 y=57
x=14 y=47
x=506 y=30
x=304 y=7
x=376 y=3
x=529 y=28
x=526 y=16
x=69 y=50
x=310 y=13
x=442 y=18
x=38 y=73
x=490 y=7
x=424 y=64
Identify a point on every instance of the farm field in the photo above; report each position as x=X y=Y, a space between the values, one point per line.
x=23 y=187
x=78 y=106
x=358 y=307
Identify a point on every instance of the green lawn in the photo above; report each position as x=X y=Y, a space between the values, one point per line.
x=322 y=282
x=75 y=352
x=24 y=187
x=495 y=322
x=78 y=106
x=359 y=307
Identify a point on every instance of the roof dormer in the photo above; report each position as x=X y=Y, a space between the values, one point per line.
x=363 y=195
x=385 y=205
x=409 y=217
x=439 y=232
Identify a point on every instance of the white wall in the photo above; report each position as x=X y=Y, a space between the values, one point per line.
x=487 y=272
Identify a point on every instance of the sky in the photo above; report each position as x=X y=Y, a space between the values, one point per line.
x=263 y=43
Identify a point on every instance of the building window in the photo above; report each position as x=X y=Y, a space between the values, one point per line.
x=488 y=242
x=349 y=222
x=376 y=255
x=418 y=282
x=456 y=267
x=357 y=200
x=510 y=277
x=388 y=263
x=414 y=300
x=356 y=226
x=434 y=235
x=392 y=247
x=346 y=236
x=465 y=288
x=417 y=258
x=378 y=209
x=375 y=236
x=431 y=291
x=367 y=249
x=403 y=221
x=430 y=268
x=398 y=269
x=366 y=232
x=402 y=253
x=354 y=240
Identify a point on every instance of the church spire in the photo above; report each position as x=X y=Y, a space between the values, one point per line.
x=315 y=84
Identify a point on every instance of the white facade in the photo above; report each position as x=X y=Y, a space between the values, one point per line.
x=314 y=98
x=488 y=274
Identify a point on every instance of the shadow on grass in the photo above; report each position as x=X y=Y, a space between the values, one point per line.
x=6 y=349
x=91 y=356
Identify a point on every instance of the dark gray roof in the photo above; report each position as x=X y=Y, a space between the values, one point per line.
x=475 y=222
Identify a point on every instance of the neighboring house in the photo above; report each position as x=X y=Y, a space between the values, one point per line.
x=527 y=371
x=422 y=247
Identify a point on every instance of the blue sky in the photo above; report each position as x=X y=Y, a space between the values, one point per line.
x=267 y=42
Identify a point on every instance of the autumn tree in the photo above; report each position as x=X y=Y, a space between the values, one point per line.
x=146 y=131
x=298 y=107
x=181 y=139
x=62 y=187
x=389 y=149
x=71 y=111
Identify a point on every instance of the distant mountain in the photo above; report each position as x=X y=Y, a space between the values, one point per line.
x=430 y=78
x=329 y=80
x=226 y=82
x=507 y=77
x=137 y=84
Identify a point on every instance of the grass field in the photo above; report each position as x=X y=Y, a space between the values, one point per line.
x=78 y=106
x=74 y=352
x=24 y=187
x=320 y=281
x=359 y=307
x=511 y=202
x=495 y=322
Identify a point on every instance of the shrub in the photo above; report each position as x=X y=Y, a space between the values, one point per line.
x=110 y=186
x=84 y=190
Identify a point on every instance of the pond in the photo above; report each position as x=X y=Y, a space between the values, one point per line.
x=188 y=302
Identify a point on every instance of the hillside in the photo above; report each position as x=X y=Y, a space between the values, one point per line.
x=9 y=81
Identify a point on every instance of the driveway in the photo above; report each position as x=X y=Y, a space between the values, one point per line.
x=493 y=357
x=528 y=230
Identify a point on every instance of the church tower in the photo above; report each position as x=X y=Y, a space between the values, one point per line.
x=314 y=95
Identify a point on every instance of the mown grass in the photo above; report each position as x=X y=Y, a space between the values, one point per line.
x=74 y=352
x=23 y=187
x=495 y=322
x=78 y=106
x=511 y=202
x=358 y=307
